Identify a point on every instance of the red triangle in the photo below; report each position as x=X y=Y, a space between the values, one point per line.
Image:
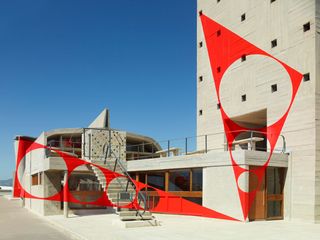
x=224 y=48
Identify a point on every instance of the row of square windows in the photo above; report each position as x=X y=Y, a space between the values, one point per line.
x=274 y=42
x=306 y=77
x=274 y=88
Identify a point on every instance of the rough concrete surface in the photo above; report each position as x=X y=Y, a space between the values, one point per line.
x=177 y=227
x=19 y=223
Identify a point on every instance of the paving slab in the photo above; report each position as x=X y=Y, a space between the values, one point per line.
x=178 y=227
x=19 y=223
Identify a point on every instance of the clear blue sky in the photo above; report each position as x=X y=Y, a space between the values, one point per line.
x=63 y=61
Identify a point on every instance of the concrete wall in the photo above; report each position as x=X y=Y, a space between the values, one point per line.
x=264 y=22
x=52 y=185
x=220 y=191
x=317 y=77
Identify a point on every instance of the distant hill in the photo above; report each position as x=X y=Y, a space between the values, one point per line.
x=7 y=182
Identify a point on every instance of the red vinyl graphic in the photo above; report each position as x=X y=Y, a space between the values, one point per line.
x=224 y=48
x=166 y=202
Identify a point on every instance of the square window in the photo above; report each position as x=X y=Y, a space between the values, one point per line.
x=243 y=58
x=243 y=17
x=200 y=13
x=274 y=43
x=200 y=78
x=218 y=69
x=218 y=106
x=306 y=27
x=274 y=88
x=218 y=33
x=244 y=98
x=271 y=1
x=201 y=44
x=200 y=112
x=306 y=77
x=218 y=1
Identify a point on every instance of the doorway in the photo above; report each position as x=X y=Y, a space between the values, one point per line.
x=268 y=202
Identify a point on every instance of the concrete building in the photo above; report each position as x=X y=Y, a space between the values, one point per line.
x=256 y=90
x=42 y=172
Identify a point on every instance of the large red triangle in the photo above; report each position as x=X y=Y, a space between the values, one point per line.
x=224 y=48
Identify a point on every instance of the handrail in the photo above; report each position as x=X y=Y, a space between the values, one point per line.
x=109 y=152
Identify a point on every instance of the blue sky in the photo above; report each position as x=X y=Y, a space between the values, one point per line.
x=63 y=61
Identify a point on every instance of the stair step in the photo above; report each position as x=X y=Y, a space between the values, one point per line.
x=137 y=223
x=135 y=218
x=134 y=213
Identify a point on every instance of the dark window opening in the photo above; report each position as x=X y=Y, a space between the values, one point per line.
x=218 y=33
x=35 y=179
x=243 y=58
x=218 y=106
x=200 y=112
x=196 y=179
x=274 y=43
x=306 y=27
x=201 y=44
x=200 y=78
x=156 y=180
x=243 y=17
x=218 y=69
x=244 y=98
x=179 y=180
x=218 y=1
x=200 y=13
x=271 y=1
x=306 y=77
x=274 y=88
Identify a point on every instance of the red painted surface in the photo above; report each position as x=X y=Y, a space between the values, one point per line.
x=223 y=50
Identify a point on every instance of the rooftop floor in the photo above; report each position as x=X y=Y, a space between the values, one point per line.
x=175 y=227
x=19 y=223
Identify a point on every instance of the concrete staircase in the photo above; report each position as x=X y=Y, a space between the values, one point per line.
x=121 y=193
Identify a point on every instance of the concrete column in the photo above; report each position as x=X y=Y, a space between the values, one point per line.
x=65 y=195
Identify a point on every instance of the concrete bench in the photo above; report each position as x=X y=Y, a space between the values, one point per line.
x=251 y=142
x=164 y=153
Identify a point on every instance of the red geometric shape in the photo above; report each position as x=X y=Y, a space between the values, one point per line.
x=168 y=202
x=224 y=48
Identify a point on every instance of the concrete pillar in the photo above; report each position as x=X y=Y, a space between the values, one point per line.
x=65 y=195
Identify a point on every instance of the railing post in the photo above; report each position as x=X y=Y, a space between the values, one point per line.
x=110 y=142
x=119 y=151
x=206 y=143
x=186 y=146
x=168 y=148
x=65 y=195
x=115 y=165
x=284 y=146
x=152 y=150
x=251 y=136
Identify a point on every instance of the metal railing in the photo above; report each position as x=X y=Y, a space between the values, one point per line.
x=204 y=144
x=64 y=146
x=109 y=154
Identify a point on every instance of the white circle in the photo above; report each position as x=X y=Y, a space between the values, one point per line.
x=243 y=181
x=253 y=79
x=243 y=142
x=32 y=178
